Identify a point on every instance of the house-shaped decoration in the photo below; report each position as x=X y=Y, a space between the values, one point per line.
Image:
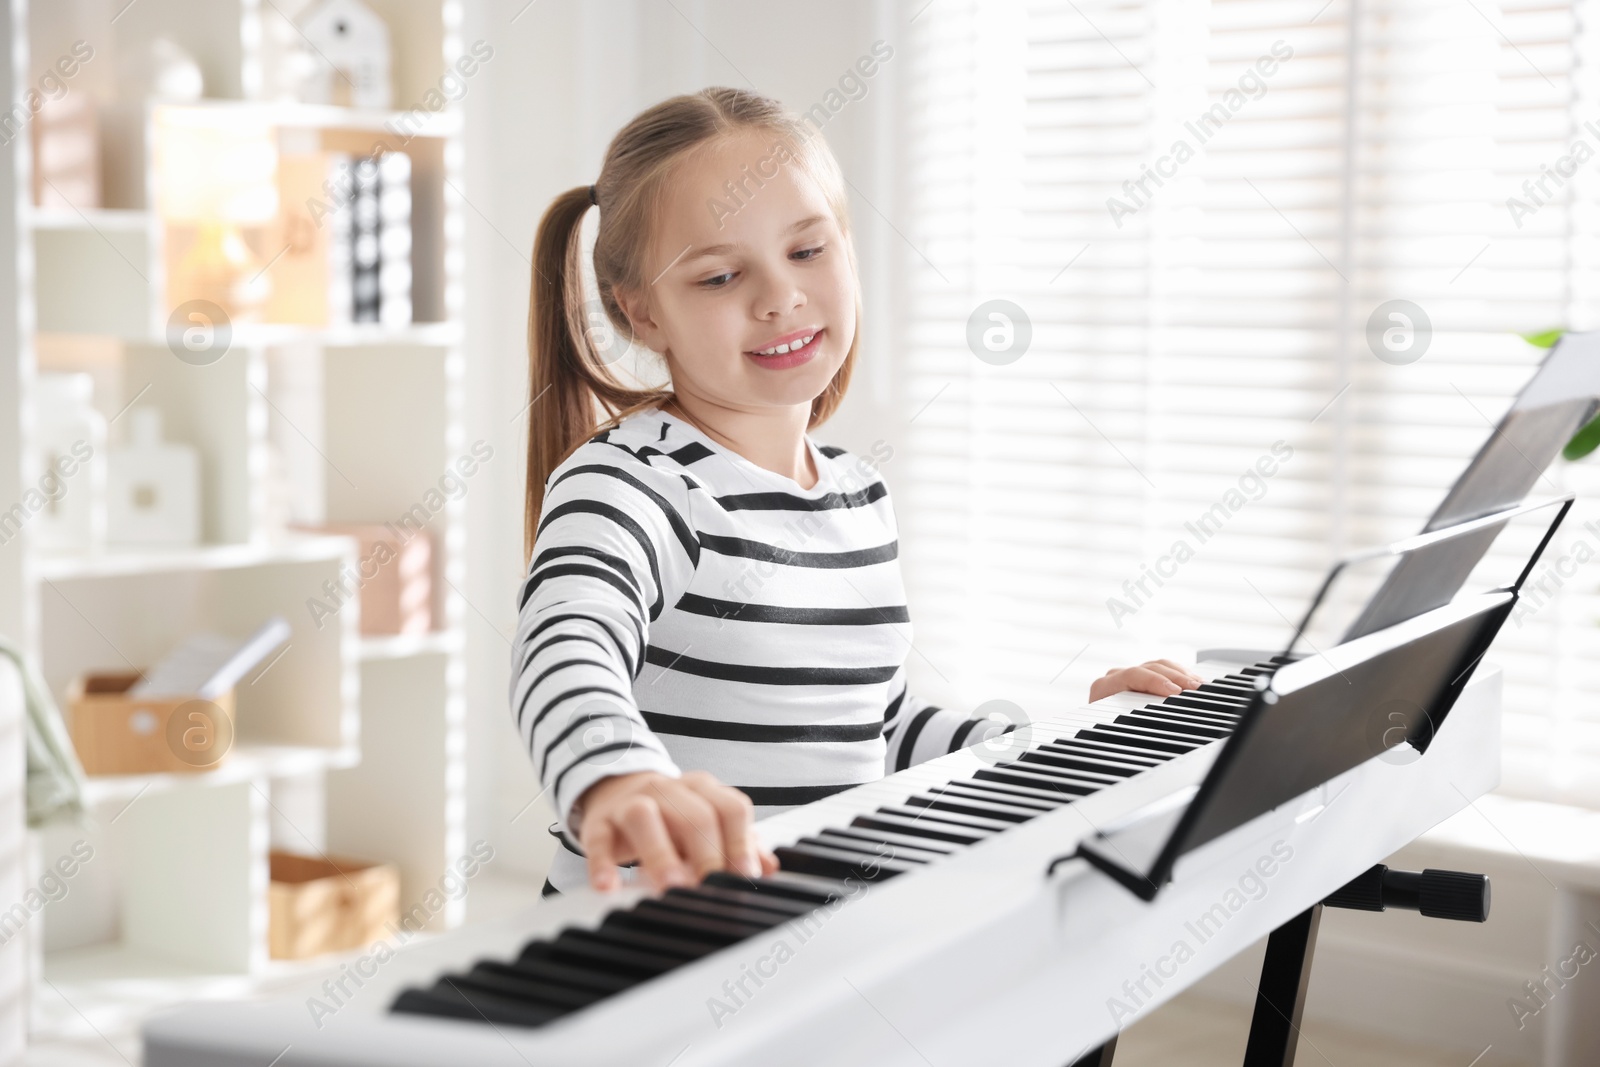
x=346 y=58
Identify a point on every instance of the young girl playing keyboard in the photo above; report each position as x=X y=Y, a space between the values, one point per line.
x=713 y=626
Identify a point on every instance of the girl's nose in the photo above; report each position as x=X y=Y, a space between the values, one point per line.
x=780 y=295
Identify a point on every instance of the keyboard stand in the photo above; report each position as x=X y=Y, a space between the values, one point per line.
x=1286 y=968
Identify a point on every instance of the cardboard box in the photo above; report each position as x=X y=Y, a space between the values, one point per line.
x=329 y=904
x=118 y=734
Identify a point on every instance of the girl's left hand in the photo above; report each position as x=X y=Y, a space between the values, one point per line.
x=1161 y=677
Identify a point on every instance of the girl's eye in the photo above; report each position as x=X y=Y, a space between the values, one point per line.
x=805 y=255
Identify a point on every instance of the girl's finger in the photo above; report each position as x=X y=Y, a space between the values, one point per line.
x=641 y=820
x=736 y=814
x=1148 y=680
x=599 y=844
x=693 y=823
x=1179 y=677
x=769 y=862
x=1188 y=676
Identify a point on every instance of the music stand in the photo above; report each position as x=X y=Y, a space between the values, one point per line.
x=1558 y=400
x=1309 y=720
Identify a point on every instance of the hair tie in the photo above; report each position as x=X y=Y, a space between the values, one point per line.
x=592 y=198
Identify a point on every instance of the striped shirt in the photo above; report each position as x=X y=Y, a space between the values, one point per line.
x=687 y=609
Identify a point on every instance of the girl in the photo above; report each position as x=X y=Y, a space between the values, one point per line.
x=713 y=626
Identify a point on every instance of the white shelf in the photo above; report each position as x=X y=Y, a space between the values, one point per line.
x=245 y=763
x=264 y=334
x=103 y=220
x=418 y=123
x=400 y=646
x=120 y=562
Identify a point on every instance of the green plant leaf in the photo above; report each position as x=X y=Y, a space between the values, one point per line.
x=1545 y=339
x=1583 y=442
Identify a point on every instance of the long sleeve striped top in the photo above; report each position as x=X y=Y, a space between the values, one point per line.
x=687 y=609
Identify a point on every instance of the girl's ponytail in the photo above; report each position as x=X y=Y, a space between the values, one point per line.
x=566 y=375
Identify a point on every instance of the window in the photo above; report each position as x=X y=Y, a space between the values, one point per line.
x=1202 y=214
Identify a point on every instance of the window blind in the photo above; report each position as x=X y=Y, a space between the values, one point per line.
x=1201 y=217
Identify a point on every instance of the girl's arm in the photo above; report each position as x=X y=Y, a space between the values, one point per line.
x=917 y=730
x=613 y=548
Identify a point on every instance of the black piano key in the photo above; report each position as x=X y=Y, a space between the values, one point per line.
x=504 y=980
x=917 y=827
x=889 y=837
x=1202 y=718
x=1080 y=743
x=447 y=1001
x=1045 y=764
x=786 y=907
x=1136 y=741
x=1158 y=722
x=650 y=915
x=684 y=948
x=869 y=849
x=538 y=960
x=583 y=948
x=1154 y=733
x=1016 y=773
x=961 y=805
x=839 y=863
x=717 y=909
x=1228 y=691
x=1091 y=766
x=1015 y=798
x=793 y=885
x=1198 y=703
x=967 y=822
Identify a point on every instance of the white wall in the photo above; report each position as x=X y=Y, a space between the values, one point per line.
x=564 y=78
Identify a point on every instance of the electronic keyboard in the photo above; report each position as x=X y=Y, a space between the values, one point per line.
x=913 y=920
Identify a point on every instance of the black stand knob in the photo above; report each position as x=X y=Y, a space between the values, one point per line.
x=1437 y=894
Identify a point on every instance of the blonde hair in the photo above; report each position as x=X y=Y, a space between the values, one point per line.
x=566 y=374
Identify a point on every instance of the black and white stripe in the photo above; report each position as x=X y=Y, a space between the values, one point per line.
x=688 y=609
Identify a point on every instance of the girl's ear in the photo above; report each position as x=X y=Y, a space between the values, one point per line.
x=637 y=307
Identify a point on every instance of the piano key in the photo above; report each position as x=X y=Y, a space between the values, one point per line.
x=793 y=885
x=1002 y=790
x=684 y=949
x=1083 y=742
x=743 y=897
x=1197 y=718
x=966 y=806
x=1061 y=768
x=1033 y=776
x=1091 y=766
x=967 y=822
x=834 y=839
x=718 y=909
x=1136 y=740
x=652 y=916
x=839 y=863
x=449 y=1002
x=583 y=948
x=889 y=837
x=1178 y=726
x=537 y=960
x=1153 y=733
x=503 y=980
x=973 y=790
x=917 y=827
x=1199 y=703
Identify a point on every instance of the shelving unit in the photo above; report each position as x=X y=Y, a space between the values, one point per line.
x=348 y=744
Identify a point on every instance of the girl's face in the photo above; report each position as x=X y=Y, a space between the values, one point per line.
x=731 y=281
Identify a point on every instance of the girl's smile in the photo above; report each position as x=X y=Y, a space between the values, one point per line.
x=791 y=350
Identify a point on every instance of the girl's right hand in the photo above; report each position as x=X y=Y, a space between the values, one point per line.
x=677 y=829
